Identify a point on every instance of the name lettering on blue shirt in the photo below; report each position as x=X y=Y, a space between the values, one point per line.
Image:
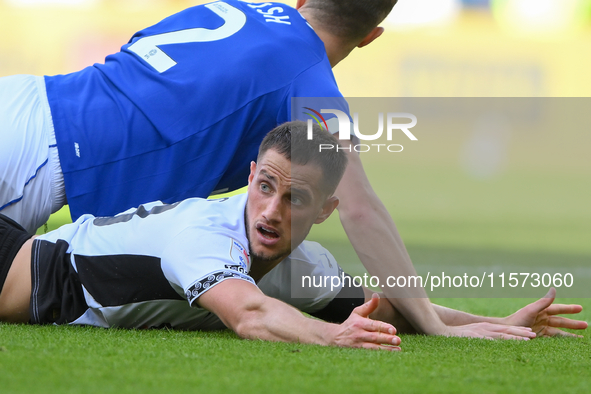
x=270 y=13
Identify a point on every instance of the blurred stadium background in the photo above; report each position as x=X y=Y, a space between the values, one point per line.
x=485 y=193
x=443 y=48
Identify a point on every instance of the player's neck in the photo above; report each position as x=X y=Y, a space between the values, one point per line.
x=336 y=50
x=260 y=267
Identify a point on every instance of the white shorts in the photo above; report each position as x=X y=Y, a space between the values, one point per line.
x=31 y=179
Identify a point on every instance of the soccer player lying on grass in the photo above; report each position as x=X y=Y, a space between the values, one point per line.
x=194 y=264
x=180 y=112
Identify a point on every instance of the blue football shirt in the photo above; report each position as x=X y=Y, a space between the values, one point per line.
x=181 y=110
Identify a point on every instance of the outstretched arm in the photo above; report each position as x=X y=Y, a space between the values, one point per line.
x=243 y=308
x=374 y=236
x=539 y=316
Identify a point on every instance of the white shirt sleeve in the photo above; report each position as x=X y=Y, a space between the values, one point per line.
x=197 y=261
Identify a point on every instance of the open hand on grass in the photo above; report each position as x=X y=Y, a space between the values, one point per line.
x=361 y=331
x=541 y=317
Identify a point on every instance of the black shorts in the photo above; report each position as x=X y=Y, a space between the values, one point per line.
x=12 y=238
x=339 y=309
x=57 y=296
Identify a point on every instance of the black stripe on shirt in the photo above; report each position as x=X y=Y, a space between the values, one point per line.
x=115 y=280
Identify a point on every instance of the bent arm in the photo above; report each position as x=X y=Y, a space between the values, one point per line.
x=243 y=308
x=376 y=240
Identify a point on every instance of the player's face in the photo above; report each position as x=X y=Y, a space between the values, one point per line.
x=284 y=201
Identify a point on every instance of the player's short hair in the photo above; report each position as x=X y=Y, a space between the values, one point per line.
x=350 y=19
x=291 y=140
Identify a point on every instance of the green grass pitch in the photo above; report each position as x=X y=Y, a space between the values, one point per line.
x=89 y=360
x=524 y=215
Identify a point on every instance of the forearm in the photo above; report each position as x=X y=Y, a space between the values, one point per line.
x=452 y=317
x=388 y=313
x=377 y=242
x=243 y=308
x=274 y=320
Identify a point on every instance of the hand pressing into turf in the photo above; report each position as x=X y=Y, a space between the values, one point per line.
x=541 y=317
x=360 y=331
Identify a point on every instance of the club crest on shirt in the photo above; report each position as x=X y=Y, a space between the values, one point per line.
x=239 y=255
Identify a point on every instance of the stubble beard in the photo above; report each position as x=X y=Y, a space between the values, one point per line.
x=260 y=259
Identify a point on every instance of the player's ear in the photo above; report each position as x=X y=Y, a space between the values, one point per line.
x=299 y=4
x=327 y=209
x=253 y=170
x=373 y=35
